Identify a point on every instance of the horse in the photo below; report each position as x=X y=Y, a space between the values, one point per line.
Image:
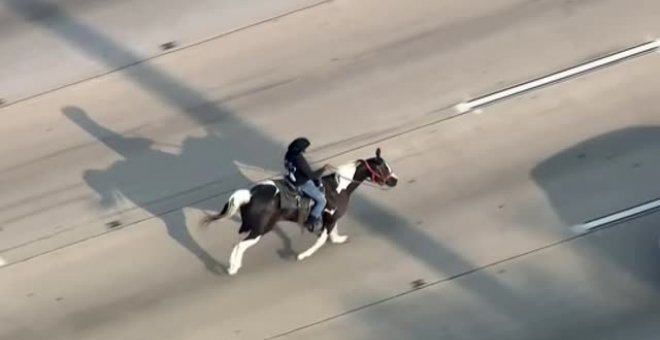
x=270 y=201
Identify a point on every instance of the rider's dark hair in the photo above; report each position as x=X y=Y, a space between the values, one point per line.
x=299 y=144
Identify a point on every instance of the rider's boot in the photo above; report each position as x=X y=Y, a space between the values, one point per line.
x=313 y=224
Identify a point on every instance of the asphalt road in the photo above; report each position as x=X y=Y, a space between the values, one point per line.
x=481 y=216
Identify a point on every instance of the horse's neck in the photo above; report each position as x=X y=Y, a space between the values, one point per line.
x=344 y=176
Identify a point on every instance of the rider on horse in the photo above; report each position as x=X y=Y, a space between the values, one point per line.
x=300 y=174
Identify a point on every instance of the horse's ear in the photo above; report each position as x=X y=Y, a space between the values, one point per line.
x=378 y=152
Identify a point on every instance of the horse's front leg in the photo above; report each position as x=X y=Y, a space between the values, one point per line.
x=335 y=237
x=318 y=244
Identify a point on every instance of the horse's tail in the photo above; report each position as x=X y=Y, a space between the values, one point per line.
x=236 y=200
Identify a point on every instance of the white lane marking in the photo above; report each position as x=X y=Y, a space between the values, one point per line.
x=573 y=71
x=636 y=210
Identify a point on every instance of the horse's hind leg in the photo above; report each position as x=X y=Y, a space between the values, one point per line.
x=244 y=231
x=236 y=258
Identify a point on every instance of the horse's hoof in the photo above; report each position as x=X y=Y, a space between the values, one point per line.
x=232 y=271
x=339 y=239
x=301 y=257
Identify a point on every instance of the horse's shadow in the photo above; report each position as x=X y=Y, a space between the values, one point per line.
x=146 y=175
x=286 y=252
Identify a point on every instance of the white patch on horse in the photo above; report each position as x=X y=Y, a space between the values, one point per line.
x=388 y=167
x=392 y=174
x=270 y=182
x=345 y=174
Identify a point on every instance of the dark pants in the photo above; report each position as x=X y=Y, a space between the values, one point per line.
x=311 y=190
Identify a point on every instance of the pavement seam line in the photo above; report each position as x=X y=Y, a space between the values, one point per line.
x=444 y=280
x=165 y=53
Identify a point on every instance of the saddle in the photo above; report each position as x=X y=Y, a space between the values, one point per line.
x=293 y=199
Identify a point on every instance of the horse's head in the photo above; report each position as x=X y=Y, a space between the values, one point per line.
x=378 y=171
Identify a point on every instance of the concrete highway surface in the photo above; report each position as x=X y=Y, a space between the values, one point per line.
x=113 y=149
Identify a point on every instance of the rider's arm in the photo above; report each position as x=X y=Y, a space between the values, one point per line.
x=305 y=168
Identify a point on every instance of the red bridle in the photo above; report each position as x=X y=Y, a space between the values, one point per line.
x=375 y=176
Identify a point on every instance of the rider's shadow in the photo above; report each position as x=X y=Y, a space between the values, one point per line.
x=145 y=174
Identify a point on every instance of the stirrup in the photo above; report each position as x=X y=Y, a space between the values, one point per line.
x=314 y=225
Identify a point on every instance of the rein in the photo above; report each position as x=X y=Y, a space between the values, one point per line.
x=367 y=183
